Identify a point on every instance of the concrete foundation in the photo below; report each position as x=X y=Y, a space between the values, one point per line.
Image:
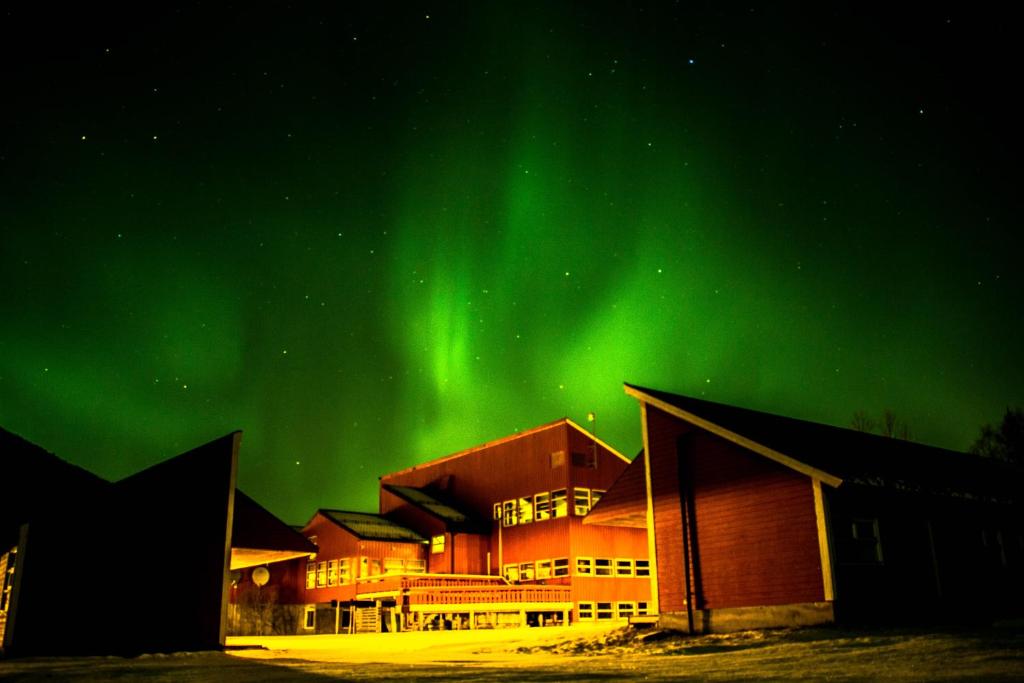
x=743 y=618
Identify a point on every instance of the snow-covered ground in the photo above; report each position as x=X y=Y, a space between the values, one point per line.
x=591 y=653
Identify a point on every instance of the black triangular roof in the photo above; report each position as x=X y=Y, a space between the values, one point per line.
x=851 y=456
x=371 y=527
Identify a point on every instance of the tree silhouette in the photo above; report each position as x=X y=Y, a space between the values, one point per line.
x=889 y=424
x=1004 y=441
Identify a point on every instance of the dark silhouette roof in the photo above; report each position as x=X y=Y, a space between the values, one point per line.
x=35 y=482
x=852 y=456
x=371 y=527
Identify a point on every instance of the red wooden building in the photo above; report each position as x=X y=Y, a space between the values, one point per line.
x=487 y=537
x=763 y=520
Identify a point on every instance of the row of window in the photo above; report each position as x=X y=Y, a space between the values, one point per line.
x=606 y=566
x=585 y=566
x=342 y=571
x=541 y=569
x=600 y=611
x=546 y=505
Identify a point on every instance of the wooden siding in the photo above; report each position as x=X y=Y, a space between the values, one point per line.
x=334 y=542
x=481 y=477
x=662 y=433
x=756 y=530
x=755 y=533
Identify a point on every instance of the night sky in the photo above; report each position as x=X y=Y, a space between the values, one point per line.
x=370 y=235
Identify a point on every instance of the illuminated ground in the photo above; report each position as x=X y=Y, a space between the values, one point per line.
x=590 y=653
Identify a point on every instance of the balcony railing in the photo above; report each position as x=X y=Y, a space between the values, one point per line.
x=476 y=595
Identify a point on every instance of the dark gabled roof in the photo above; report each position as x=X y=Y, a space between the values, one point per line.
x=625 y=501
x=36 y=482
x=432 y=505
x=371 y=527
x=839 y=455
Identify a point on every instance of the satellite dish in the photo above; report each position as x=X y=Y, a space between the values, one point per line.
x=260 y=576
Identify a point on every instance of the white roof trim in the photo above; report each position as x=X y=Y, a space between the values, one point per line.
x=602 y=443
x=737 y=439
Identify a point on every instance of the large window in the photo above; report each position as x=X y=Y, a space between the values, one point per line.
x=641 y=608
x=602 y=567
x=643 y=567
x=605 y=611
x=525 y=510
x=416 y=566
x=543 y=569
x=585 y=611
x=580 y=501
x=625 y=609
x=561 y=566
x=311 y=575
x=542 y=506
x=497 y=511
x=526 y=571
x=437 y=544
x=321 y=574
x=309 y=622
x=584 y=566
x=510 y=513
x=559 y=505
x=623 y=566
x=332 y=572
x=344 y=571
x=511 y=572
x=866 y=546
x=393 y=565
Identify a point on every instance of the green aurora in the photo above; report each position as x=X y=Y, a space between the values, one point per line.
x=368 y=239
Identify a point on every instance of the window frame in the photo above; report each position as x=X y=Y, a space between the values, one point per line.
x=609 y=611
x=587 y=562
x=559 y=501
x=542 y=499
x=585 y=611
x=630 y=566
x=437 y=544
x=580 y=493
x=544 y=569
x=608 y=565
x=310 y=575
x=309 y=618
x=321 y=574
x=559 y=567
x=641 y=572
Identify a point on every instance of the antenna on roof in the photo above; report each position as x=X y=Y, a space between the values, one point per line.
x=592 y=419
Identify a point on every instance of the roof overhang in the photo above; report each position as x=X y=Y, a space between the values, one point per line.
x=242 y=558
x=737 y=439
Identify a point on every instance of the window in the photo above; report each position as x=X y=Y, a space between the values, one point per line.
x=625 y=609
x=542 y=506
x=332 y=572
x=525 y=510
x=543 y=569
x=602 y=567
x=558 y=503
x=7 y=562
x=561 y=566
x=595 y=495
x=585 y=611
x=321 y=574
x=580 y=501
x=586 y=459
x=510 y=513
x=623 y=567
x=344 y=571
x=512 y=572
x=310 y=619
x=311 y=575
x=526 y=571
x=497 y=511
x=393 y=565
x=643 y=567
x=416 y=566
x=604 y=611
x=372 y=567
x=641 y=608
x=437 y=544
x=866 y=545
x=584 y=566
x=557 y=459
